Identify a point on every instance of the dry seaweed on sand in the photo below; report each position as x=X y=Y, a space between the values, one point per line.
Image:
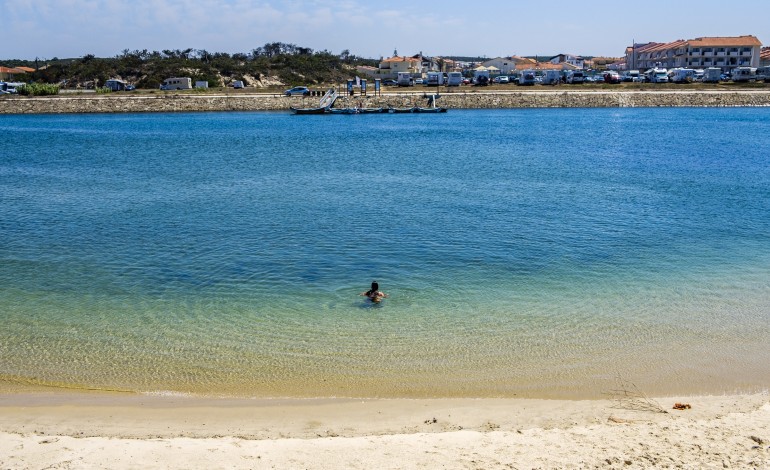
x=628 y=396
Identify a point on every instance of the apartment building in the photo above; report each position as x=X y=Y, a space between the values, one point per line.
x=726 y=53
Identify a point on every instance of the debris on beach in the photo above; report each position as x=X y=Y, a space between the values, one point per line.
x=682 y=406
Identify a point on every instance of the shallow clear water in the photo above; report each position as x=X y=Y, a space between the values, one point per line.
x=532 y=253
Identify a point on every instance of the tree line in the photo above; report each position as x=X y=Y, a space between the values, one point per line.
x=292 y=64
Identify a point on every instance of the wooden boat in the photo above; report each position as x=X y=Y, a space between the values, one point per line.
x=321 y=110
x=401 y=110
x=429 y=110
x=343 y=110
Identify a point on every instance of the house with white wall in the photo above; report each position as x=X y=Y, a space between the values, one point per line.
x=726 y=53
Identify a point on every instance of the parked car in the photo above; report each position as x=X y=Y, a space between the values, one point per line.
x=238 y=84
x=466 y=81
x=576 y=77
x=503 y=79
x=297 y=91
x=418 y=81
x=612 y=77
x=389 y=82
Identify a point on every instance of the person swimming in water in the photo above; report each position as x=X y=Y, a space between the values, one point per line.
x=374 y=294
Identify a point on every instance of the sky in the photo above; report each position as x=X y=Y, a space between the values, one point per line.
x=47 y=29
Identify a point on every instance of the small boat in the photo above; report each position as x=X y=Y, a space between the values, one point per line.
x=429 y=110
x=321 y=110
x=401 y=110
x=343 y=110
x=371 y=110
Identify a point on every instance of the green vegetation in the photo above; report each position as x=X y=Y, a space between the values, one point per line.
x=291 y=64
x=38 y=89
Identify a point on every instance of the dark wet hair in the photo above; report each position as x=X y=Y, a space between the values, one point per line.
x=375 y=286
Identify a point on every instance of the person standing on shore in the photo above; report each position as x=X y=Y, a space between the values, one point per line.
x=374 y=294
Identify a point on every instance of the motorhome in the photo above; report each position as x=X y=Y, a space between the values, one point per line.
x=454 y=78
x=657 y=75
x=116 y=85
x=763 y=73
x=576 y=76
x=551 y=77
x=177 y=83
x=744 y=74
x=435 y=79
x=682 y=75
x=527 y=77
x=632 y=76
x=405 y=79
x=712 y=75
x=481 y=77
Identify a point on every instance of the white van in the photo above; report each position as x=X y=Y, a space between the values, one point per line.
x=405 y=79
x=177 y=83
x=576 y=76
x=454 y=79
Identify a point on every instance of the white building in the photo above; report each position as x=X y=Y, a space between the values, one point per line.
x=574 y=60
x=726 y=53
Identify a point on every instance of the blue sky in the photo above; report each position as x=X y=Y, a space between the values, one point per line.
x=73 y=28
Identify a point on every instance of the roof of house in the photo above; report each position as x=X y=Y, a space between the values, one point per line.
x=12 y=70
x=26 y=69
x=401 y=59
x=725 y=41
x=764 y=53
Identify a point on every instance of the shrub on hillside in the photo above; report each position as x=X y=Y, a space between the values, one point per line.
x=38 y=89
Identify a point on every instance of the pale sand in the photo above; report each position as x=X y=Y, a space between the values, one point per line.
x=43 y=430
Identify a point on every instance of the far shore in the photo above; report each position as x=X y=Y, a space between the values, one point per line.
x=101 y=430
x=515 y=97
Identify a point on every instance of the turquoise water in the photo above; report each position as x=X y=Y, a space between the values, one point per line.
x=538 y=253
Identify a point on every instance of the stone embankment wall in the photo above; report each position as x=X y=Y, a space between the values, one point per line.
x=455 y=100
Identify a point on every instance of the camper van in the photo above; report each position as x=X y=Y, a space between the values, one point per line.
x=454 y=79
x=481 y=77
x=177 y=83
x=632 y=76
x=435 y=79
x=712 y=75
x=576 y=76
x=683 y=75
x=115 y=85
x=763 y=73
x=657 y=75
x=551 y=77
x=527 y=77
x=405 y=79
x=744 y=74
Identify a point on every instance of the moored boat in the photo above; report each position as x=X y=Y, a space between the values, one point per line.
x=321 y=110
x=430 y=110
x=401 y=110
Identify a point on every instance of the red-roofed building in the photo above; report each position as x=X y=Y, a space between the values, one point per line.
x=764 y=57
x=726 y=53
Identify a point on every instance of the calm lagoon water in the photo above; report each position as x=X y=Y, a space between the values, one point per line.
x=530 y=253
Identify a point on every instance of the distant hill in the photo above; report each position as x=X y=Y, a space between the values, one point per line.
x=273 y=63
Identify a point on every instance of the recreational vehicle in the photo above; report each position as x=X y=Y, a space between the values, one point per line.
x=712 y=75
x=481 y=77
x=177 y=83
x=435 y=79
x=454 y=79
x=576 y=76
x=763 y=73
x=683 y=75
x=656 y=75
x=744 y=74
x=527 y=77
x=551 y=77
x=405 y=79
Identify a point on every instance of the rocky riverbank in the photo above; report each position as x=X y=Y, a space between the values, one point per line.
x=184 y=102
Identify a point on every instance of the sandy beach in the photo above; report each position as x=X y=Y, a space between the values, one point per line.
x=45 y=430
